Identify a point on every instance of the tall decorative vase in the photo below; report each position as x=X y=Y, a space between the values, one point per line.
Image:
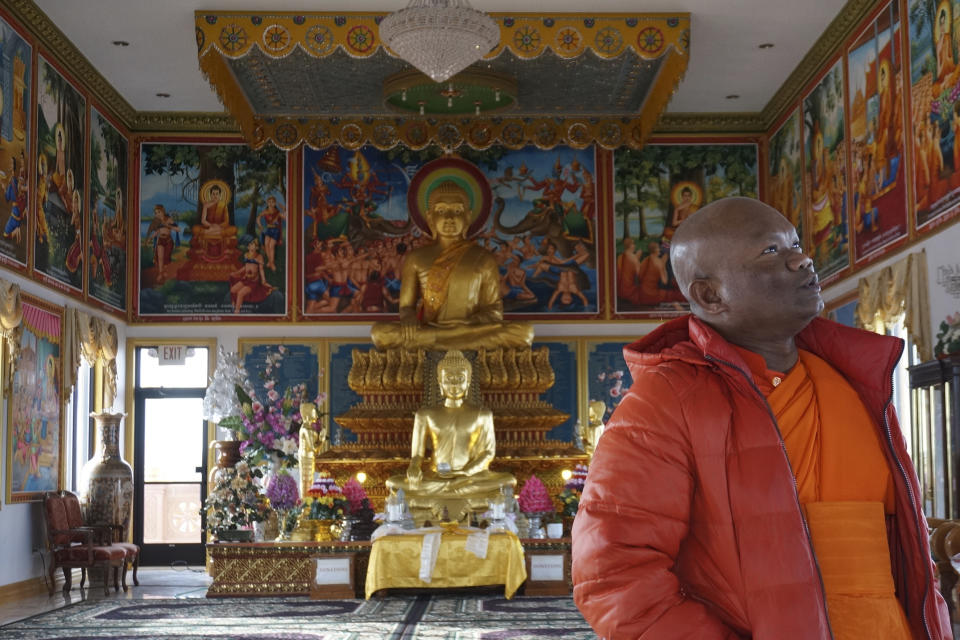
x=106 y=481
x=226 y=454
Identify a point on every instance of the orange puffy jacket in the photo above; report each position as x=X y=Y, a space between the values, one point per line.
x=689 y=525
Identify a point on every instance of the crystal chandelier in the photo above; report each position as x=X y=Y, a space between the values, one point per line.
x=440 y=37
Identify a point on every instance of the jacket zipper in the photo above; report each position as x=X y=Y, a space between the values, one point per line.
x=913 y=503
x=796 y=491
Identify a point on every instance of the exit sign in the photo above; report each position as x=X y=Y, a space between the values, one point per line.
x=172 y=354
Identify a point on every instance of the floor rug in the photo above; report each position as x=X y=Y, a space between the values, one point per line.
x=424 y=617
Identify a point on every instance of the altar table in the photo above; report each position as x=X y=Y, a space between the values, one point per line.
x=395 y=563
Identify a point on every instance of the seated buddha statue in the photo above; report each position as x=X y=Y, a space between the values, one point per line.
x=214 y=237
x=450 y=289
x=463 y=445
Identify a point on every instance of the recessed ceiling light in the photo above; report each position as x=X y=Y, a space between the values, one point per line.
x=733 y=96
x=765 y=45
x=163 y=95
x=121 y=43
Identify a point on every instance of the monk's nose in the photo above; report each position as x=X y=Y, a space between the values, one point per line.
x=799 y=261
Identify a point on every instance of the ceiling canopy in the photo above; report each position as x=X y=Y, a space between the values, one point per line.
x=325 y=78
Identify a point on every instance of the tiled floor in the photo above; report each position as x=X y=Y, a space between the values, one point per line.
x=155 y=582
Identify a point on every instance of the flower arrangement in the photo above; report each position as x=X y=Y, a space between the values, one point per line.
x=948 y=338
x=234 y=500
x=570 y=496
x=324 y=500
x=533 y=497
x=269 y=429
x=356 y=496
x=282 y=491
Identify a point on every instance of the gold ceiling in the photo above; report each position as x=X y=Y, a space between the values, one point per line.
x=325 y=78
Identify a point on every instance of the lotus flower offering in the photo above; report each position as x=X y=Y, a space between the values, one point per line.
x=534 y=497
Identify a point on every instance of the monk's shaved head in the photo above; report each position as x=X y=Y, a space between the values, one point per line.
x=700 y=245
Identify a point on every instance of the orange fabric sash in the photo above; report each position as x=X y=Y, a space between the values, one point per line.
x=845 y=487
x=438 y=277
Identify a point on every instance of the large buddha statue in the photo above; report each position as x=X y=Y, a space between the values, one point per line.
x=463 y=443
x=450 y=289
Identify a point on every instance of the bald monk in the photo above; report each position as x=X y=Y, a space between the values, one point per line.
x=754 y=482
x=450 y=289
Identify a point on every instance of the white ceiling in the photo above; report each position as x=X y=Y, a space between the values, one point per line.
x=725 y=59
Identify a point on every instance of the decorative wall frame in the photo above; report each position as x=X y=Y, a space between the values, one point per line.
x=34 y=460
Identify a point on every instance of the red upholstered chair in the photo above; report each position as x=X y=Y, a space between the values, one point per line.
x=112 y=534
x=76 y=547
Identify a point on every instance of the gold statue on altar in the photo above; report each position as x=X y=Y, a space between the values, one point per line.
x=594 y=429
x=463 y=443
x=311 y=444
x=450 y=290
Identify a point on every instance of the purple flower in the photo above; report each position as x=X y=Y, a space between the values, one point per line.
x=282 y=491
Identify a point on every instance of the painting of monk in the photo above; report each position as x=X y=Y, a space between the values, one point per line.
x=212 y=232
x=935 y=109
x=785 y=172
x=107 y=224
x=655 y=189
x=16 y=164
x=824 y=140
x=58 y=242
x=877 y=182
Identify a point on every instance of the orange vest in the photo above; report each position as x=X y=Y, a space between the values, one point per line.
x=845 y=490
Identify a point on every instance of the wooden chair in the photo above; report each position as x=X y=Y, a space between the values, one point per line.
x=76 y=547
x=113 y=534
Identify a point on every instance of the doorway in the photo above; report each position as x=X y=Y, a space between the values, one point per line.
x=170 y=455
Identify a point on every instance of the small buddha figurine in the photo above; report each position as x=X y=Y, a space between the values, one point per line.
x=463 y=446
x=312 y=443
x=450 y=290
x=594 y=429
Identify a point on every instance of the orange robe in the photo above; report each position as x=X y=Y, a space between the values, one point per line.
x=845 y=490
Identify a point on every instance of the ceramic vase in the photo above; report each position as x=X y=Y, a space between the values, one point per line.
x=106 y=480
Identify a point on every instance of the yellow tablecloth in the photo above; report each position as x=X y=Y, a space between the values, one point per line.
x=395 y=563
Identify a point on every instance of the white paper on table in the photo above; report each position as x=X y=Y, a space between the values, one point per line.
x=428 y=555
x=477 y=544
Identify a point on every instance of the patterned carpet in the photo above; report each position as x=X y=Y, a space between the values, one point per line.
x=397 y=618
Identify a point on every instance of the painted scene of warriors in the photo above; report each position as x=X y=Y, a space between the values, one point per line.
x=15 y=164
x=107 y=228
x=655 y=189
x=58 y=248
x=357 y=228
x=824 y=139
x=213 y=231
x=877 y=185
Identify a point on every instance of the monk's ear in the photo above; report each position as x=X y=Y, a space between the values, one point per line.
x=704 y=294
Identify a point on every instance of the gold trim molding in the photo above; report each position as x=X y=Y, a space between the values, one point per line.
x=52 y=39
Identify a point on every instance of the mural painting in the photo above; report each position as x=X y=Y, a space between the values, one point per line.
x=58 y=248
x=935 y=106
x=824 y=143
x=357 y=229
x=785 y=172
x=108 y=227
x=655 y=189
x=877 y=186
x=34 y=440
x=212 y=231
x=15 y=167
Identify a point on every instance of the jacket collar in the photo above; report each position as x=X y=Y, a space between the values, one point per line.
x=860 y=356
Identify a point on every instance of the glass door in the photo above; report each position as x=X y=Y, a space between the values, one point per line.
x=170 y=457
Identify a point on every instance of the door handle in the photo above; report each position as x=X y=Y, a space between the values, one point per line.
x=199 y=469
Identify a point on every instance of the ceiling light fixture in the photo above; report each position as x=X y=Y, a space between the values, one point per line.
x=440 y=37
x=733 y=96
x=120 y=43
x=163 y=95
x=765 y=45
x=469 y=92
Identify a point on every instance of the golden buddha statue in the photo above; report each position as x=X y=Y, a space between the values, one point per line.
x=450 y=289
x=463 y=443
x=594 y=429
x=312 y=444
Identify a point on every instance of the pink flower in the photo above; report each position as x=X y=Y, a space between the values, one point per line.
x=256 y=406
x=273 y=395
x=281 y=349
x=269 y=384
x=614 y=392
